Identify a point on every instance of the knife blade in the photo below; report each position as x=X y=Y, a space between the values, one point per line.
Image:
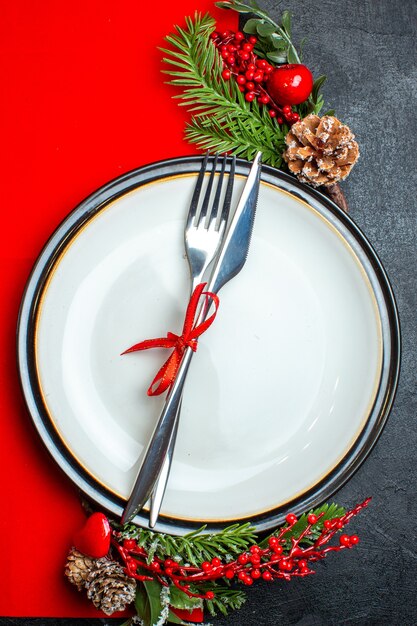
x=231 y=259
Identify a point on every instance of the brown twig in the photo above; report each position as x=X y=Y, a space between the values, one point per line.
x=336 y=194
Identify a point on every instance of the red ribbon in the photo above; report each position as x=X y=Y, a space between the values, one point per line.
x=166 y=375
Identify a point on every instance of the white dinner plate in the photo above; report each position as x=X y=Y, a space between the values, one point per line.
x=289 y=388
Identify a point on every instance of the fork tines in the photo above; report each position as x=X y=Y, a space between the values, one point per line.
x=200 y=203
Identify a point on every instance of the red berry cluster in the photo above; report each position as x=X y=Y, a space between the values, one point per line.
x=250 y=72
x=283 y=558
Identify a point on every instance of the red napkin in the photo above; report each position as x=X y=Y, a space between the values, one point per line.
x=83 y=101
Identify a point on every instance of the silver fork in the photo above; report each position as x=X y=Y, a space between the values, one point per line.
x=203 y=235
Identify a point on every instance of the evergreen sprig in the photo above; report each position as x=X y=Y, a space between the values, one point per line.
x=222 y=119
x=195 y=547
x=225 y=599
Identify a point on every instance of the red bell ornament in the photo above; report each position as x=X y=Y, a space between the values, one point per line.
x=290 y=84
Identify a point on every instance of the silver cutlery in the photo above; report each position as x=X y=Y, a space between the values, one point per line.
x=203 y=234
x=227 y=264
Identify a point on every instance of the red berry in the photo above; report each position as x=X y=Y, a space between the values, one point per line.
x=304 y=570
x=251 y=67
x=267 y=576
x=231 y=60
x=255 y=549
x=247 y=47
x=249 y=74
x=250 y=86
x=250 y=96
x=214 y=34
x=276 y=557
x=248 y=580
x=132 y=564
x=290 y=84
x=258 y=78
x=261 y=63
x=291 y=518
x=264 y=99
x=283 y=565
x=289 y=565
x=231 y=48
x=272 y=113
x=169 y=563
x=244 y=55
x=255 y=573
x=328 y=524
x=311 y=519
x=223 y=48
x=243 y=559
x=241 y=88
x=295 y=117
x=226 y=74
x=169 y=571
x=225 y=55
x=253 y=40
x=339 y=525
x=216 y=562
x=209 y=595
x=286 y=109
x=354 y=540
x=241 y=80
x=273 y=541
x=239 y=36
x=302 y=564
x=255 y=560
x=344 y=540
x=155 y=566
x=206 y=566
x=269 y=68
x=229 y=573
x=278 y=549
x=280 y=120
x=129 y=544
x=242 y=575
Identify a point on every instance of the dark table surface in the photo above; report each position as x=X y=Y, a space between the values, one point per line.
x=366 y=48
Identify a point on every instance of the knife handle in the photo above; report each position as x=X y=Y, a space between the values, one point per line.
x=161 y=484
x=158 y=446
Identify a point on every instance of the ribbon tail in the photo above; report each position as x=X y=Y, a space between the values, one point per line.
x=161 y=342
x=166 y=375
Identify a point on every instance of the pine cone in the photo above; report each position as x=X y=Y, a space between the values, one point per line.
x=109 y=588
x=320 y=151
x=78 y=568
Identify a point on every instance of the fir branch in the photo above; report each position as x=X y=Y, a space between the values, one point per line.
x=225 y=599
x=195 y=547
x=222 y=119
x=234 y=136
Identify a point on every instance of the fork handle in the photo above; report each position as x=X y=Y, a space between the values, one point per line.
x=158 y=446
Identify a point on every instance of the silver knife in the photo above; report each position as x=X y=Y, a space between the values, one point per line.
x=229 y=262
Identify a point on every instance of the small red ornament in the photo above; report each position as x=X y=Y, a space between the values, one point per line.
x=94 y=537
x=290 y=84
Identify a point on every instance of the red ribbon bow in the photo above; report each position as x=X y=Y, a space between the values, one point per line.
x=166 y=375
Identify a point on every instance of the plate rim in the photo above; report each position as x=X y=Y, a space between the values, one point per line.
x=79 y=217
